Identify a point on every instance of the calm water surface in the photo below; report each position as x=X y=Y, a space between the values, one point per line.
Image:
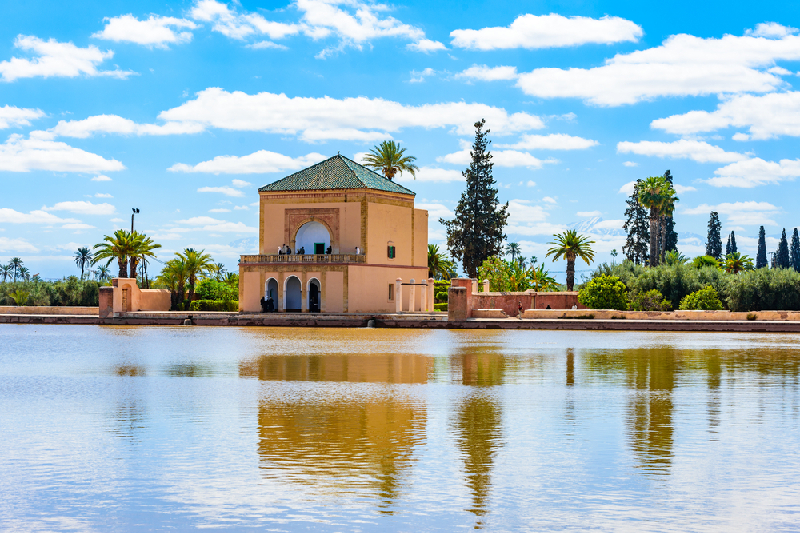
x=130 y=429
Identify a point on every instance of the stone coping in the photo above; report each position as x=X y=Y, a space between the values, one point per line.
x=611 y=314
x=47 y=310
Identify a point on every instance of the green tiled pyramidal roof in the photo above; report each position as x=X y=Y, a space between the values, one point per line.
x=338 y=172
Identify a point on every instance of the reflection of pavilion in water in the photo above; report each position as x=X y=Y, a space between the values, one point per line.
x=478 y=421
x=352 y=440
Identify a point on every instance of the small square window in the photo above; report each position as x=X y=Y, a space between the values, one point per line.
x=391 y=292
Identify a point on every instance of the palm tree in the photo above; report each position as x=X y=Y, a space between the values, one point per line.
x=83 y=258
x=656 y=194
x=15 y=263
x=141 y=246
x=102 y=273
x=173 y=276
x=5 y=271
x=540 y=279
x=116 y=247
x=389 y=159
x=219 y=271
x=673 y=257
x=197 y=265
x=24 y=273
x=513 y=249
x=571 y=246
x=439 y=267
x=667 y=209
x=735 y=262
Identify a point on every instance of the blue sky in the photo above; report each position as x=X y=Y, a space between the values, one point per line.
x=183 y=109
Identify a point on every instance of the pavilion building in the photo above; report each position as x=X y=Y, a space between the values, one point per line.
x=357 y=231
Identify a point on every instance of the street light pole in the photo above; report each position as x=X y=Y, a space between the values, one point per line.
x=135 y=211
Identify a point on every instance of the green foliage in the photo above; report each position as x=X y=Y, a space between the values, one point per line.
x=211 y=289
x=674 y=258
x=705 y=261
x=440 y=289
x=705 y=299
x=765 y=290
x=736 y=262
x=651 y=300
x=761 y=256
x=511 y=276
x=782 y=257
x=20 y=297
x=714 y=239
x=476 y=232
x=439 y=267
x=69 y=291
x=440 y=307
x=604 y=292
x=230 y=306
x=637 y=227
x=571 y=246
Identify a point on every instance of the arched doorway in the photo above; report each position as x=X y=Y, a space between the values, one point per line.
x=313 y=237
x=293 y=295
x=314 y=295
x=271 y=293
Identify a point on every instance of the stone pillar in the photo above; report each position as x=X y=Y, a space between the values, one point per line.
x=486 y=285
x=303 y=293
x=423 y=297
x=431 y=294
x=456 y=303
x=467 y=284
x=411 y=295
x=398 y=295
x=474 y=285
x=280 y=304
x=106 y=301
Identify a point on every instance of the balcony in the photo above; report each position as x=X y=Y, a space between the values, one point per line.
x=302 y=259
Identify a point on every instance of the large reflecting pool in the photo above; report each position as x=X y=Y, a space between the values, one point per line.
x=119 y=429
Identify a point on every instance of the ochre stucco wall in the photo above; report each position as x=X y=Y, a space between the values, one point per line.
x=369 y=288
x=334 y=292
x=420 y=237
x=389 y=223
x=250 y=292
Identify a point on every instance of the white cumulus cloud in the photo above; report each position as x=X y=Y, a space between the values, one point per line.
x=52 y=58
x=432 y=174
x=256 y=163
x=8 y=245
x=699 y=151
x=684 y=65
x=487 y=73
x=18 y=116
x=154 y=31
x=426 y=45
x=10 y=216
x=325 y=118
x=23 y=155
x=748 y=213
x=556 y=141
x=82 y=207
x=501 y=158
x=86 y=127
x=766 y=117
x=753 y=172
x=548 y=31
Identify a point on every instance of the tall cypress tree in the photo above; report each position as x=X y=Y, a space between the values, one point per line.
x=794 y=251
x=761 y=256
x=732 y=241
x=476 y=232
x=671 y=244
x=637 y=225
x=714 y=241
x=782 y=259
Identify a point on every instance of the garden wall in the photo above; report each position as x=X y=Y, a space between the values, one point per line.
x=46 y=310
x=465 y=305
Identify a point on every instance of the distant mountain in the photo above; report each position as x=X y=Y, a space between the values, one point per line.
x=248 y=244
x=598 y=226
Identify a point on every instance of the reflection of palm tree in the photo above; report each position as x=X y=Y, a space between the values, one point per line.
x=479 y=424
x=650 y=414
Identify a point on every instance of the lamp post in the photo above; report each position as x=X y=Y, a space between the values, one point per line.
x=135 y=212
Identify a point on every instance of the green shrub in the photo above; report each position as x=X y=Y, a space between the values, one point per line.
x=212 y=289
x=440 y=307
x=67 y=291
x=604 y=292
x=215 y=305
x=765 y=290
x=705 y=299
x=651 y=300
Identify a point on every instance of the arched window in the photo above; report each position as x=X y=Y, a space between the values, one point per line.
x=313 y=237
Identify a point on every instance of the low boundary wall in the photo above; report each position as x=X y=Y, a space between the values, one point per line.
x=46 y=310
x=464 y=300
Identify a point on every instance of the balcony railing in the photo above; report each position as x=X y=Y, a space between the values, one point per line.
x=304 y=258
